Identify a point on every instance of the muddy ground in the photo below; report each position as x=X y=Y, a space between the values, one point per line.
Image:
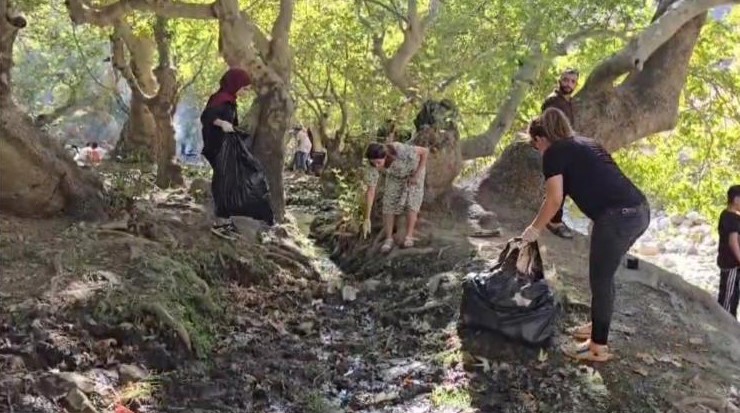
x=154 y=314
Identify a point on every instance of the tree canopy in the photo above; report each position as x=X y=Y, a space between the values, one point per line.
x=356 y=65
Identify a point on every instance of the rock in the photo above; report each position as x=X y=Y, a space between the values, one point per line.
x=692 y=250
x=75 y=380
x=349 y=293
x=648 y=249
x=677 y=220
x=306 y=327
x=694 y=218
x=668 y=262
x=371 y=285
x=78 y=402
x=131 y=373
x=200 y=189
x=697 y=341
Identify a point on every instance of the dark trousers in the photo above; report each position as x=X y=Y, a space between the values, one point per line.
x=729 y=289
x=613 y=234
x=300 y=162
x=211 y=158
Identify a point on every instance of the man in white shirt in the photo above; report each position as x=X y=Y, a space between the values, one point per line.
x=303 y=150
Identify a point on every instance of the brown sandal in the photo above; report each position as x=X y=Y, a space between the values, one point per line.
x=588 y=351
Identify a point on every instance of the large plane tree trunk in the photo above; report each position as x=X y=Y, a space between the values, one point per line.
x=646 y=102
x=36 y=177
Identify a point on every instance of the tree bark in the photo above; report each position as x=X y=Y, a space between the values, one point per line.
x=242 y=44
x=138 y=134
x=163 y=106
x=646 y=102
x=414 y=29
x=36 y=177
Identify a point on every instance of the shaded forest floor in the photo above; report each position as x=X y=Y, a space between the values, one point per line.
x=151 y=312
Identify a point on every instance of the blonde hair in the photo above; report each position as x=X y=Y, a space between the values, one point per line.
x=556 y=125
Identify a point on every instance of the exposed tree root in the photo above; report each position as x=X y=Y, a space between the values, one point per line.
x=165 y=317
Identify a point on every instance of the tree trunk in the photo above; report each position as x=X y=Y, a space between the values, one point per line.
x=444 y=162
x=138 y=132
x=275 y=110
x=163 y=106
x=646 y=102
x=516 y=177
x=36 y=177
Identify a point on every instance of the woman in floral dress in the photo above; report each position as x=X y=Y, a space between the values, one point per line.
x=404 y=167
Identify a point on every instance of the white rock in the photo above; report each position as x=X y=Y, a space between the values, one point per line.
x=668 y=262
x=349 y=293
x=648 y=249
x=677 y=220
x=695 y=218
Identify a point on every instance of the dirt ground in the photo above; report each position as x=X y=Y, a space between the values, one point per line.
x=154 y=314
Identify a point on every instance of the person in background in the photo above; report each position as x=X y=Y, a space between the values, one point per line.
x=728 y=254
x=96 y=154
x=303 y=150
x=581 y=168
x=219 y=118
x=560 y=98
x=405 y=169
x=83 y=155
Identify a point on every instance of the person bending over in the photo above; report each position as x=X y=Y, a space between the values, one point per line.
x=581 y=168
x=404 y=167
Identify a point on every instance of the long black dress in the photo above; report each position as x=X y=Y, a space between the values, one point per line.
x=213 y=136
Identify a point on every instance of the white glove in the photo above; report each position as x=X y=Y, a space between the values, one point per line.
x=226 y=126
x=530 y=234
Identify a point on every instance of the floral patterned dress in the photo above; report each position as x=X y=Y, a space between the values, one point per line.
x=398 y=194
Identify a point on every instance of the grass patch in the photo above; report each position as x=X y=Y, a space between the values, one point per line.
x=140 y=392
x=451 y=397
x=314 y=402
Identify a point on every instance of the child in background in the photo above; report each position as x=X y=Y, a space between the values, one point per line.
x=728 y=255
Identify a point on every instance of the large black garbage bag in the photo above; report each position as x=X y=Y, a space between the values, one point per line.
x=239 y=184
x=513 y=298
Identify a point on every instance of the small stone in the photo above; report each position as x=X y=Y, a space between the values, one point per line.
x=648 y=249
x=78 y=402
x=349 y=293
x=306 y=327
x=697 y=341
x=131 y=373
x=76 y=380
x=371 y=285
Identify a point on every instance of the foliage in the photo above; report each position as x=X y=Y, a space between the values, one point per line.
x=469 y=55
x=691 y=167
x=349 y=197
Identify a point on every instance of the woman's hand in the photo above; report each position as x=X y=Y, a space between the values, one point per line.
x=413 y=179
x=227 y=127
x=530 y=234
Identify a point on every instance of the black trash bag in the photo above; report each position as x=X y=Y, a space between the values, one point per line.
x=513 y=298
x=239 y=184
x=442 y=114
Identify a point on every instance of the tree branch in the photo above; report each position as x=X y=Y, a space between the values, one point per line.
x=82 y=11
x=528 y=73
x=638 y=51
